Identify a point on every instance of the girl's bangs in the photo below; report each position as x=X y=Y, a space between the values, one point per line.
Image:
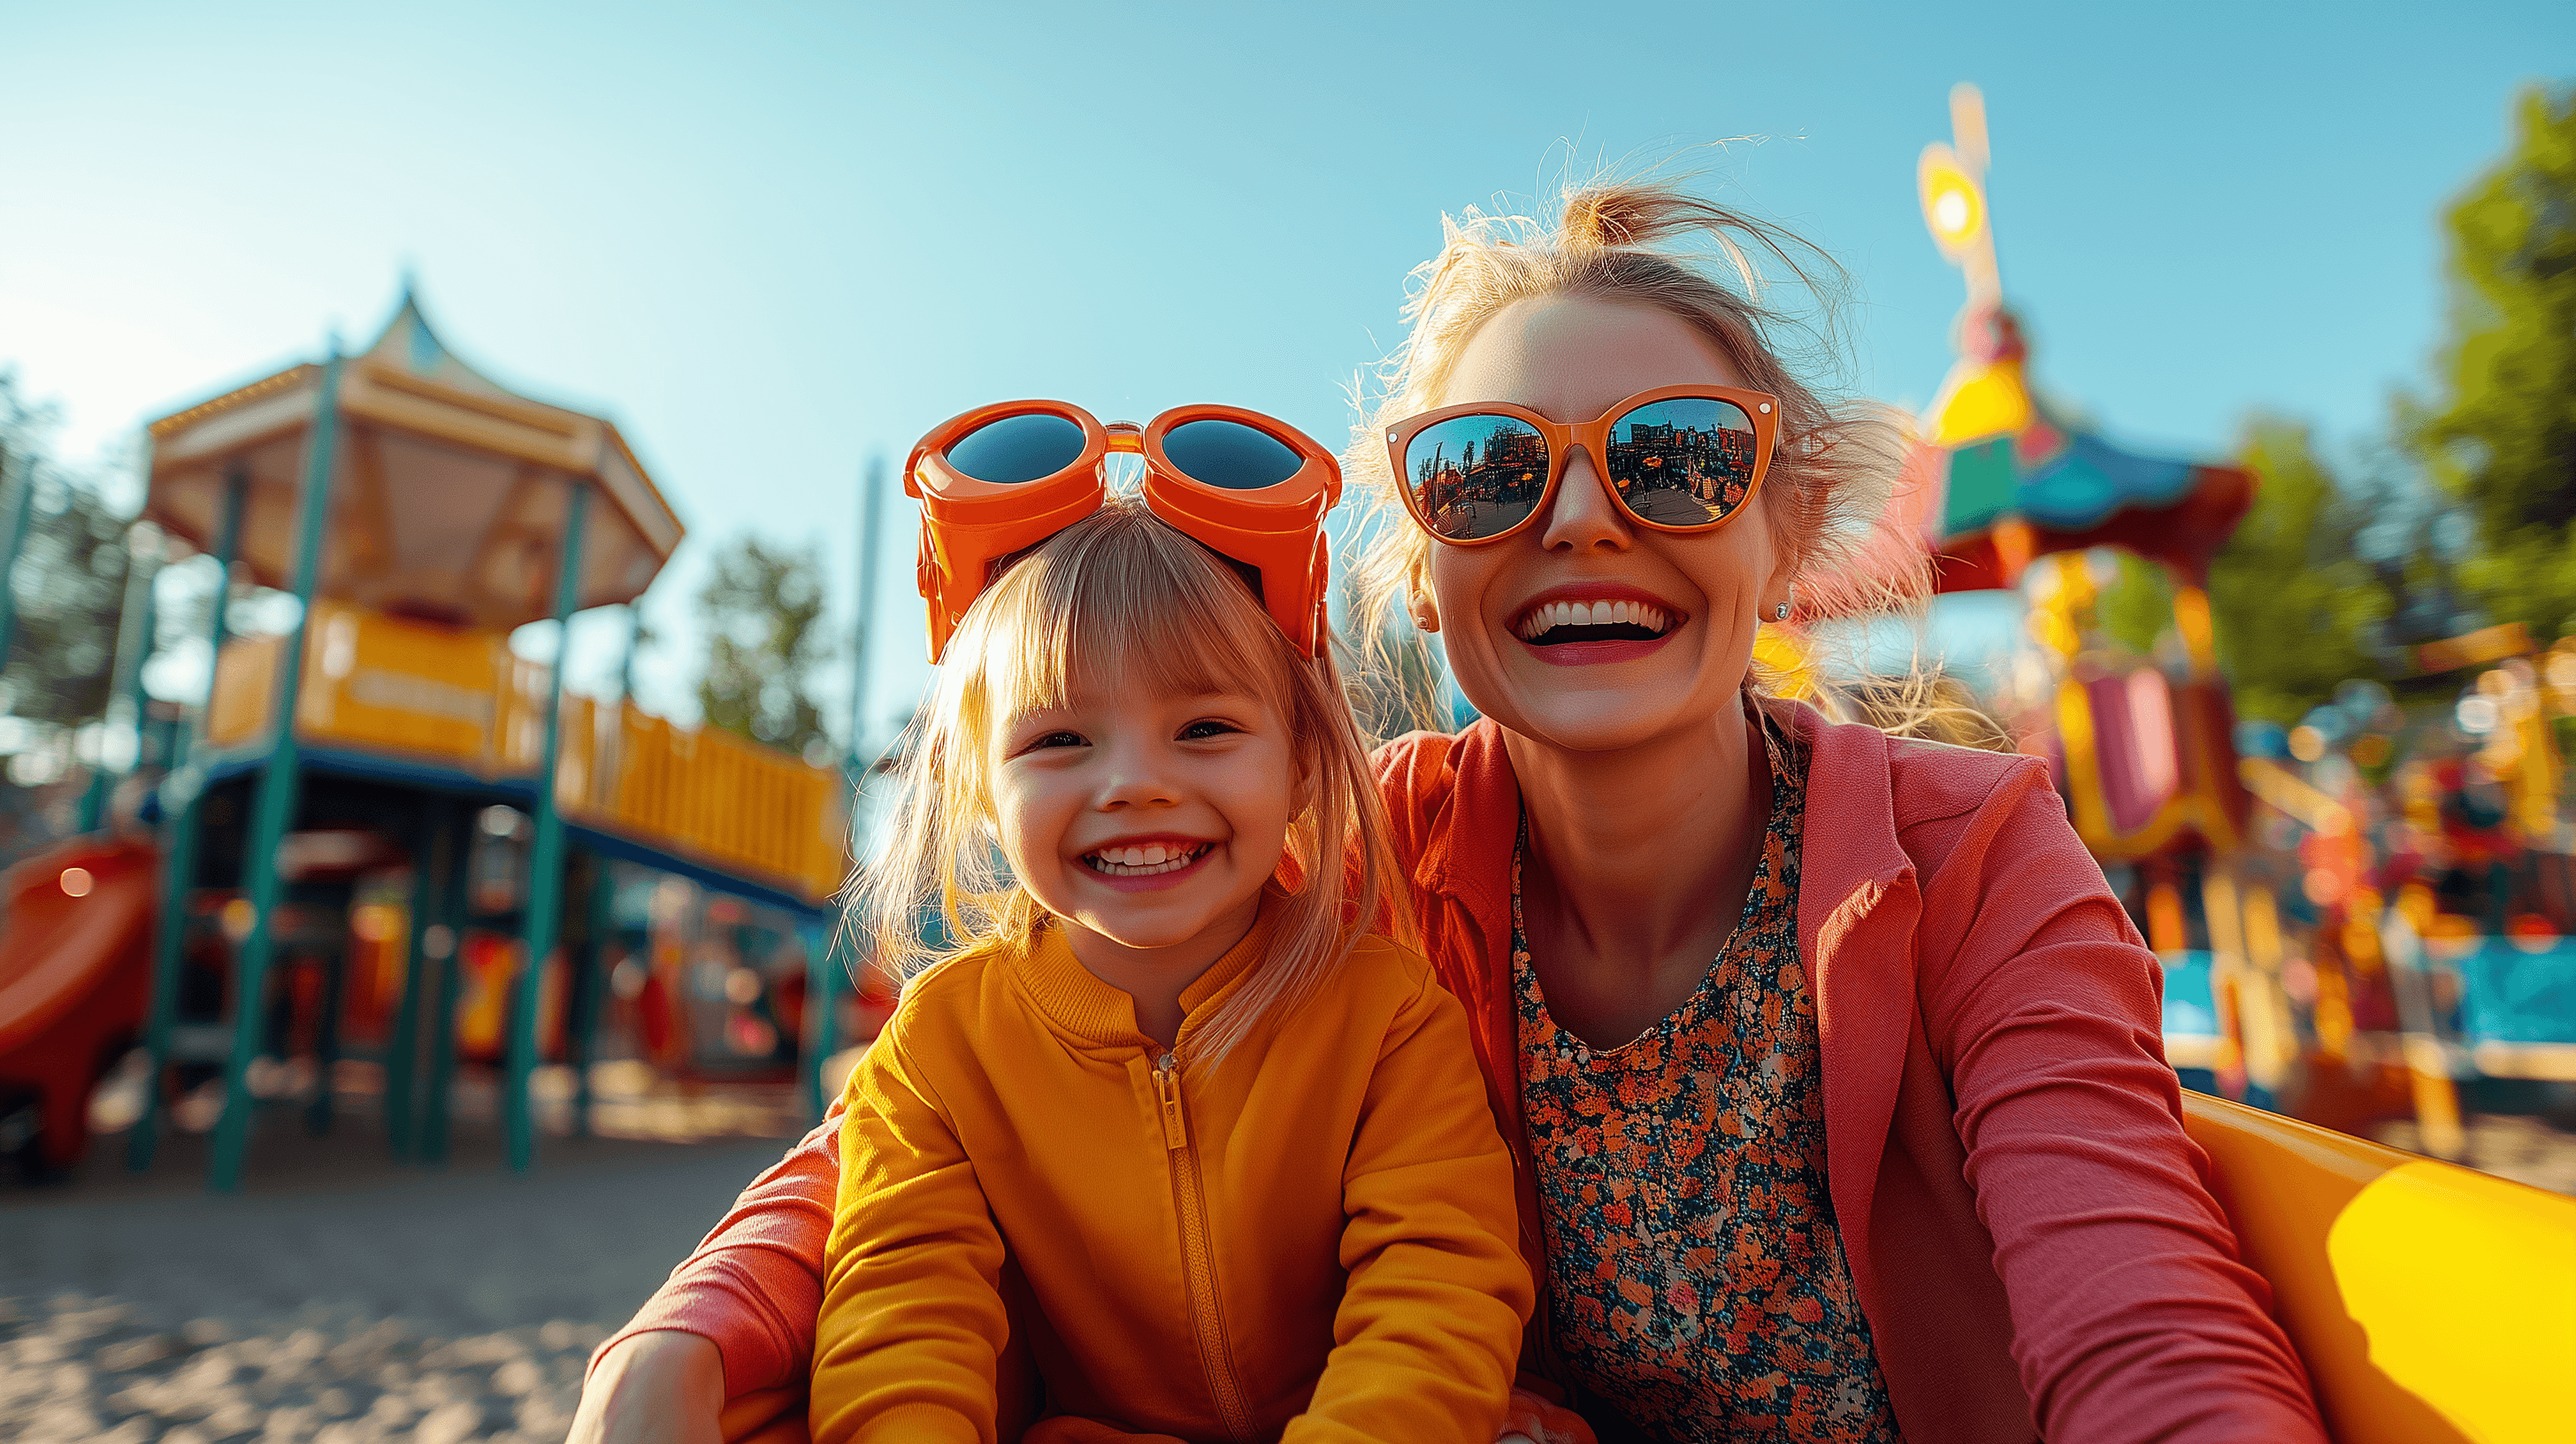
x=1128 y=604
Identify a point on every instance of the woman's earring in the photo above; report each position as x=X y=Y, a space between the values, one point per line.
x=1780 y=613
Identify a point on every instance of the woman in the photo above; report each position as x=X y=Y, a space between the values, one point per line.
x=1904 y=1160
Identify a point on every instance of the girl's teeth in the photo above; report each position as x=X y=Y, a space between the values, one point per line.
x=1144 y=861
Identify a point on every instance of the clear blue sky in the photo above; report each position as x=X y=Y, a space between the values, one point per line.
x=771 y=240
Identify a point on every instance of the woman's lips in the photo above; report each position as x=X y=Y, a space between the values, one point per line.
x=1592 y=654
x=1589 y=609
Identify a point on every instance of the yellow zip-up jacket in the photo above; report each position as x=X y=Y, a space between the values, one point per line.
x=1310 y=1239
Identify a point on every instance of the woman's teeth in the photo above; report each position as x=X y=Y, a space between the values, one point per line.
x=1549 y=616
x=1152 y=858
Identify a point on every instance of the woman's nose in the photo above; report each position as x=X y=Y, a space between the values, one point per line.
x=1581 y=515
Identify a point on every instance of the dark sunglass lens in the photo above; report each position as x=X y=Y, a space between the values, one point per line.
x=1683 y=462
x=1475 y=476
x=1016 y=449
x=1230 y=454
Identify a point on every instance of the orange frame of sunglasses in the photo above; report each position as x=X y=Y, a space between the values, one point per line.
x=1592 y=438
x=967 y=525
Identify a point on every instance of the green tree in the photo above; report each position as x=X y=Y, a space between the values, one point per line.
x=2504 y=439
x=760 y=608
x=70 y=579
x=2295 y=607
x=2136 y=610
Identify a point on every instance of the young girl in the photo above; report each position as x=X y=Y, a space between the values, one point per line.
x=1220 y=1166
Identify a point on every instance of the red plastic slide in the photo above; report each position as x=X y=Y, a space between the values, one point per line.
x=75 y=979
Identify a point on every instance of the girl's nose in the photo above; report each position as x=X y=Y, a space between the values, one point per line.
x=1581 y=515
x=1134 y=779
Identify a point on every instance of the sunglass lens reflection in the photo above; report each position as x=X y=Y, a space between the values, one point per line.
x=1683 y=462
x=1017 y=449
x=1475 y=476
x=1230 y=454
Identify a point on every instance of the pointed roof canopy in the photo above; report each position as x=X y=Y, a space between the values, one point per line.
x=2015 y=482
x=449 y=490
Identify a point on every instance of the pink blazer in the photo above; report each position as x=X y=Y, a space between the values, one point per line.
x=2030 y=1233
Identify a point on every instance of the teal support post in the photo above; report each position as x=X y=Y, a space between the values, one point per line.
x=22 y=508
x=544 y=895
x=432 y=854
x=446 y=946
x=273 y=805
x=590 y=992
x=872 y=510
x=822 y=1011
x=125 y=698
x=182 y=793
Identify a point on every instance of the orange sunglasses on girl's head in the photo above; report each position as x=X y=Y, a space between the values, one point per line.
x=1677 y=459
x=1002 y=478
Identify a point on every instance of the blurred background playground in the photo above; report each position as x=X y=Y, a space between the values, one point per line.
x=414 y=831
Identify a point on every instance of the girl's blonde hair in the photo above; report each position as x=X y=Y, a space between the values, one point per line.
x=1650 y=243
x=1120 y=599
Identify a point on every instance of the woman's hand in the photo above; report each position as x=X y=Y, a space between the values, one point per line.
x=661 y=1387
x=1529 y=1420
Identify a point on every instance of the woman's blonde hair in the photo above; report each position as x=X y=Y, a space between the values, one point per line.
x=1120 y=599
x=1651 y=243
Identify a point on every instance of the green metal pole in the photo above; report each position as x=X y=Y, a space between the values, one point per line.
x=872 y=510
x=22 y=507
x=273 y=807
x=544 y=893
x=133 y=644
x=822 y=1012
x=433 y=853
x=182 y=794
x=137 y=699
x=455 y=902
x=589 y=984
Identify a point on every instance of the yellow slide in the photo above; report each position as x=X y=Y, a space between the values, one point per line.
x=2432 y=1303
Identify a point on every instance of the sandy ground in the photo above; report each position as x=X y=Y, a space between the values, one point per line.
x=2526 y=1150
x=341 y=1298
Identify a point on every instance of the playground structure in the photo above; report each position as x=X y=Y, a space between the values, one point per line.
x=2427 y=1301
x=418 y=512
x=2235 y=866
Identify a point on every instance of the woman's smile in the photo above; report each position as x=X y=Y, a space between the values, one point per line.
x=1587 y=623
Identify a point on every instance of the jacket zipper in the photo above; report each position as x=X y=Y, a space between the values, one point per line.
x=1198 y=1255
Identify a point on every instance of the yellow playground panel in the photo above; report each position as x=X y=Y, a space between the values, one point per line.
x=458 y=698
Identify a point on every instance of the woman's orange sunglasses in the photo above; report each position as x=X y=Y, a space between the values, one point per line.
x=1003 y=478
x=1690 y=459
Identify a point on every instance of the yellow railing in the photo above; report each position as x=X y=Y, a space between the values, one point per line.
x=459 y=698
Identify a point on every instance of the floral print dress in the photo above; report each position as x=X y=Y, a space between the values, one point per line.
x=1697 y=1279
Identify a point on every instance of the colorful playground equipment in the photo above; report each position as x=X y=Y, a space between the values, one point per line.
x=2428 y=1301
x=417 y=511
x=2019 y=496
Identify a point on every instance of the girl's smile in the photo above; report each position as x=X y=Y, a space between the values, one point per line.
x=1136 y=864
x=1147 y=822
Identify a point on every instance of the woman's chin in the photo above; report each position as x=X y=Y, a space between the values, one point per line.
x=1597 y=719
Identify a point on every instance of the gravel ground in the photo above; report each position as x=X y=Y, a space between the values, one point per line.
x=346 y=1299
x=341 y=1298
x=2526 y=1150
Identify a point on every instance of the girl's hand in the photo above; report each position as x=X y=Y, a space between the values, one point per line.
x=1529 y=1420
x=662 y=1387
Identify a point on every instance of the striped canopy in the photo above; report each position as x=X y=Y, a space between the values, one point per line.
x=2014 y=482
